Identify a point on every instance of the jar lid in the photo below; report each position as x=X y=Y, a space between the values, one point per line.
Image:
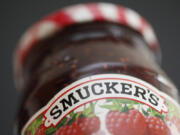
x=82 y=13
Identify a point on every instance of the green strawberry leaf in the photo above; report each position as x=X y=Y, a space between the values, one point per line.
x=72 y=113
x=127 y=101
x=62 y=123
x=125 y=108
x=122 y=101
x=160 y=116
x=131 y=106
x=33 y=127
x=154 y=113
x=109 y=100
x=91 y=115
x=109 y=107
x=71 y=120
x=145 y=112
x=90 y=109
x=52 y=130
x=87 y=111
x=78 y=115
x=117 y=104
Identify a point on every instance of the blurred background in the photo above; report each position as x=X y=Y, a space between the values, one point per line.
x=17 y=16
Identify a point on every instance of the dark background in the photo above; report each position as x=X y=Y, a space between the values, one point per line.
x=17 y=15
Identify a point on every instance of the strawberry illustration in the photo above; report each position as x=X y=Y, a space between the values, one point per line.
x=156 y=126
x=40 y=130
x=81 y=123
x=131 y=122
x=29 y=133
x=87 y=120
x=72 y=129
x=89 y=125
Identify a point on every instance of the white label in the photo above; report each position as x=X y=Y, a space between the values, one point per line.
x=100 y=87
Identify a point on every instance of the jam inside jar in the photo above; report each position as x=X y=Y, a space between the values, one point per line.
x=82 y=50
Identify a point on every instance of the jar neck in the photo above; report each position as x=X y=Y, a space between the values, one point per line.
x=45 y=54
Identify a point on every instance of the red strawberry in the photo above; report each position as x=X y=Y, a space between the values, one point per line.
x=156 y=126
x=131 y=122
x=88 y=125
x=40 y=130
x=73 y=129
x=29 y=133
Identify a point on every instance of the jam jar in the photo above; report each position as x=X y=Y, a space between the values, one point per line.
x=93 y=69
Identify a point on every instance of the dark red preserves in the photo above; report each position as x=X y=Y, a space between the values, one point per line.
x=79 y=50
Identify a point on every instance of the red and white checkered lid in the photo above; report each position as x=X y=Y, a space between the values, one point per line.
x=81 y=13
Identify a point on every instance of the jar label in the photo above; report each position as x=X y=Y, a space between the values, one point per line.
x=107 y=104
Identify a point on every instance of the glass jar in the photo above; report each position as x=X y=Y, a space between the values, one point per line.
x=93 y=69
